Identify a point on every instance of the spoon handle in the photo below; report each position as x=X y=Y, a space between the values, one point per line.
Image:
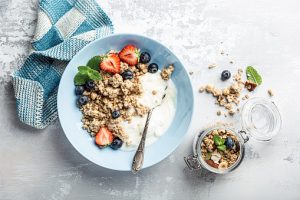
x=138 y=158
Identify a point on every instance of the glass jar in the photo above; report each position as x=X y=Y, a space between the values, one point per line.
x=260 y=120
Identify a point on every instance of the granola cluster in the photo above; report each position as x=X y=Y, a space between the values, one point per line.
x=224 y=158
x=166 y=72
x=113 y=93
x=228 y=97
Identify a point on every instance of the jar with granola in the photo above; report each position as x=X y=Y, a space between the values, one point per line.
x=220 y=149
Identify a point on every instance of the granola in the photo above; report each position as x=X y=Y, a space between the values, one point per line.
x=109 y=90
x=270 y=92
x=228 y=97
x=113 y=93
x=220 y=148
x=110 y=94
x=167 y=72
x=211 y=66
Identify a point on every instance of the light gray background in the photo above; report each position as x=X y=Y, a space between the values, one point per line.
x=41 y=164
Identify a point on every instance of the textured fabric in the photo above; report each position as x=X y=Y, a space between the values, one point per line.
x=63 y=28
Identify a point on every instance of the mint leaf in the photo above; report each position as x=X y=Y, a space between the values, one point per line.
x=218 y=140
x=94 y=75
x=84 y=74
x=221 y=147
x=253 y=75
x=83 y=69
x=80 y=79
x=94 y=62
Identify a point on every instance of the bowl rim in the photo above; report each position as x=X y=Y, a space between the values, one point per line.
x=175 y=146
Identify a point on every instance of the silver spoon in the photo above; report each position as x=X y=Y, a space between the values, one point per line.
x=138 y=158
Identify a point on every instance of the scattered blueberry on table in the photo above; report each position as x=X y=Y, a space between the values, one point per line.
x=225 y=75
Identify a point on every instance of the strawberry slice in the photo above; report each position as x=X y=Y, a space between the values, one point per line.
x=104 y=137
x=130 y=54
x=111 y=63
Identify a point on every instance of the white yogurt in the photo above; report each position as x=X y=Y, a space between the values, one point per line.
x=162 y=115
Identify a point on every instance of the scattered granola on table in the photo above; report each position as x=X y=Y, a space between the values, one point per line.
x=211 y=66
x=270 y=92
x=201 y=89
x=228 y=97
x=220 y=149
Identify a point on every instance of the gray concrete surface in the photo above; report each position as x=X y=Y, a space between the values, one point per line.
x=42 y=164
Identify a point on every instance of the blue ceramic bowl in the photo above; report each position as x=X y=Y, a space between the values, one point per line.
x=70 y=115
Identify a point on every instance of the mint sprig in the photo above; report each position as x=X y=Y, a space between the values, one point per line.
x=94 y=62
x=253 y=75
x=86 y=73
x=219 y=142
x=221 y=147
x=80 y=79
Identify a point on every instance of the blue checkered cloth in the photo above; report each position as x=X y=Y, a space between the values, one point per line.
x=63 y=28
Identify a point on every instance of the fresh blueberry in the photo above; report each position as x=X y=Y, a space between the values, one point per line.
x=116 y=143
x=225 y=75
x=229 y=143
x=127 y=74
x=145 y=57
x=152 y=68
x=79 y=89
x=90 y=85
x=115 y=114
x=82 y=100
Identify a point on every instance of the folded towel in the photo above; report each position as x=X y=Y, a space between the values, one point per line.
x=63 y=28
